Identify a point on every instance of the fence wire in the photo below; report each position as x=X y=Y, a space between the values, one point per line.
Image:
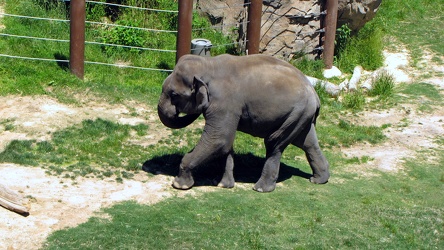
x=86 y=62
x=110 y=25
x=88 y=42
x=36 y=18
x=132 y=7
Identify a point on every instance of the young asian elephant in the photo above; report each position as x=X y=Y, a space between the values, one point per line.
x=256 y=94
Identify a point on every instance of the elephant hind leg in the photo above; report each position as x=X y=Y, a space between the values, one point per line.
x=228 y=178
x=309 y=143
x=275 y=145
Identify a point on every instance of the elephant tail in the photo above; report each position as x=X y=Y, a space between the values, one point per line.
x=316 y=115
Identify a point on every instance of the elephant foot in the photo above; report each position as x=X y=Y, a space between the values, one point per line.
x=226 y=183
x=319 y=179
x=227 y=180
x=263 y=186
x=183 y=183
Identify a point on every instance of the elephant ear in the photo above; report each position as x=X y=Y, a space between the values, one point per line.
x=202 y=96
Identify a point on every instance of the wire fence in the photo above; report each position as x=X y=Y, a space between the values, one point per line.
x=103 y=24
x=272 y=18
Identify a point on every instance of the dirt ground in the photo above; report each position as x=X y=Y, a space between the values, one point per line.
x=57 y=203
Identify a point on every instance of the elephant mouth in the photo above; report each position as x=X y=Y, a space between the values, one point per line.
x=177 y=120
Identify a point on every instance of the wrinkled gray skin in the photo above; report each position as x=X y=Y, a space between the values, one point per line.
x=257 y=94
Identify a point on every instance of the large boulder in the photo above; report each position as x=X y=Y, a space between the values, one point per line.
x=356 y=13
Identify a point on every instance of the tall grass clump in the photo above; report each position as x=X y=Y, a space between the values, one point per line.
x=354 y=100
x=383 y=85
x=364 y=49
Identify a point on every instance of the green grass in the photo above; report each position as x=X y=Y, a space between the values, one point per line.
x=426 y=95
x=383 y=86
x=91 y=149
x=346 y=134
x=388 y=212
x=364 y=49
x=354 y=100
x=110 y=83
x=414 y=23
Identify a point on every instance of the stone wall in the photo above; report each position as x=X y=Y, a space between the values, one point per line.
x=289 y=28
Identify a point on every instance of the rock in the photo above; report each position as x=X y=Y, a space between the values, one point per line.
x=330 y=88
x=356 y=13
x=333 y=72
x=353 y=84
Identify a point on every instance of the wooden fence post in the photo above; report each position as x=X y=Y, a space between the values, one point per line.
x=330 y=32
x=185 y=19
x=77 y=38
x=254 y=26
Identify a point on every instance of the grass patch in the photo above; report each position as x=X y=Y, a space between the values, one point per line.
x=8 y=124
x=312 y=68
x=346 y=134
x=407 y=19
x=426 y=95
x=97 y=148
x=389 y=212
x=383 y=86
x=93 y=148
x=421 y=90
x=354 y=100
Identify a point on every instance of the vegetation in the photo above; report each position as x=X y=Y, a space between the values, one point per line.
x=364 y=49
x=389 y=211
x=383 y=86
x=112 y=83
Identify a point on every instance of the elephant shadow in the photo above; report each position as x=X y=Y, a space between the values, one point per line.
x=247 y=169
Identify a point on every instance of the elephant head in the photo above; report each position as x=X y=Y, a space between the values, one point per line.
x=182 y=94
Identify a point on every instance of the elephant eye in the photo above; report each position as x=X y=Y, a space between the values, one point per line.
x=174 y=95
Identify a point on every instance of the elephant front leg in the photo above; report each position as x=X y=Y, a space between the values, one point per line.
x=215 y=141
x=228 y=178
x=184 y=180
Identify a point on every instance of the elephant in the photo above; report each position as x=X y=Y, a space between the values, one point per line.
x=257 y=94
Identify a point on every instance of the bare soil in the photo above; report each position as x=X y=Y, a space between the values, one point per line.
x=57 y=203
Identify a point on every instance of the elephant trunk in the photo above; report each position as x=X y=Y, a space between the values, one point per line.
x=175 y=121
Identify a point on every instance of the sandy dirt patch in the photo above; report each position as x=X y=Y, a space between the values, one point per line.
x=58 y=203
x=410 y=130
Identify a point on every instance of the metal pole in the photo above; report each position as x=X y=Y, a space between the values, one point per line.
x=330 y=31
x=77 y=38
x=254 y=26
x=185 y=18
